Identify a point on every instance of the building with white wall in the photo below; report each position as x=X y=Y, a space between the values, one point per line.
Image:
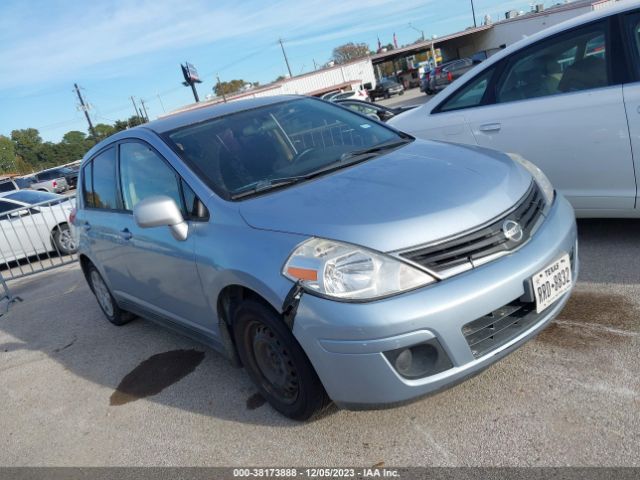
x=348 y=76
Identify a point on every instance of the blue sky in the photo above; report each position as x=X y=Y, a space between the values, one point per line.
x=114 y=48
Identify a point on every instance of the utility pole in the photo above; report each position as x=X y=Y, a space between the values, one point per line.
x=315 y=66
x=144 y=107
x=473 y=11
x=286 y=60
x=224 y=97
x=85 y=108
x=135 y=108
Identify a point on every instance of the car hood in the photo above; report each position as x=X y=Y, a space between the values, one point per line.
x=416 y=194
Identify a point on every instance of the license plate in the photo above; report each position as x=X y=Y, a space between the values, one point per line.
x=550 y=283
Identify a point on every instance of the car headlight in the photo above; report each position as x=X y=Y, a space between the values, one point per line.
x=350 y=272
x=538 y=175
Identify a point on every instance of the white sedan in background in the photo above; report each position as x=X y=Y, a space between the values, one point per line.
x=33 y=222
x=566 y=99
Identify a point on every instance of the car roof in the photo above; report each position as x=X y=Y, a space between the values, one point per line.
x=4 y=194
x=209 y=112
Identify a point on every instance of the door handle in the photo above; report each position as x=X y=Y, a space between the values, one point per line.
x=490 y=127
x=126 y=234
x=86 y=226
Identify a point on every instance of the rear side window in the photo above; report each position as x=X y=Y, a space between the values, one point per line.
x=87 y=185
x=24 y=182
x=101 y=192
x=7 y=186
x=572 y=62
x=44 y=176
x=7 y=206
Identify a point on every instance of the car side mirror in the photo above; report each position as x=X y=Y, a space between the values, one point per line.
x=161 y=211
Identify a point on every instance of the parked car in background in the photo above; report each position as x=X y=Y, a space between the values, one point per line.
x=8 y=184
x=55 y=185
x=339 y=258
x=373 y=110
x=54 y=180
x=432 y=76
x=359 y=94
x=34 y=223
x=70 y=175
x=385 y=89
x=425 y=85
x=329 y=95
x=450 y=72
x=566 y=98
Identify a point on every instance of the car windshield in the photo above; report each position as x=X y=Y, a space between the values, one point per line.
x=32 y=196
x=265 y=147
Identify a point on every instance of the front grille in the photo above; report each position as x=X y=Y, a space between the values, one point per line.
x=500 y=326
x=472 y=249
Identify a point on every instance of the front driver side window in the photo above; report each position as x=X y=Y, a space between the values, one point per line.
x=144 y=174
x=573 y=62
x=470 y=95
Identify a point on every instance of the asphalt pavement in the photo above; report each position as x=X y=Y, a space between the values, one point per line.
x=79 y=391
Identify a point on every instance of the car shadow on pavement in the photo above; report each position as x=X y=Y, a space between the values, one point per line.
x=140 y=361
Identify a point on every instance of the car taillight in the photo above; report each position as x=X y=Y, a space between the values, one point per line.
x=72 y=215
x=55 y=184
x=449 y=77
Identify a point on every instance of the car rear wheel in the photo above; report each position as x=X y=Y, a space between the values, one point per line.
x=107 y=303
x=276 y=363
x=64 y=240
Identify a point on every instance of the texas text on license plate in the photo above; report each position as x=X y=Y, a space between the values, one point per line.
x=550 y=283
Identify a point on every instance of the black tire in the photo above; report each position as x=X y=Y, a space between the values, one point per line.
x=402 y=92
x=387 y=95
x=63 y=239
x=111 y=310
x=276 y=362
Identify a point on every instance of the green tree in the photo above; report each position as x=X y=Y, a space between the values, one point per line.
x=23 y=167
x=120 y=125
x=135 y=120
x=350 y=51
x=103 y=131
x=28 y=145
x=7 y=155
x=229 y=87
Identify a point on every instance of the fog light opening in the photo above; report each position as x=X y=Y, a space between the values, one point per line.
x=420 y=360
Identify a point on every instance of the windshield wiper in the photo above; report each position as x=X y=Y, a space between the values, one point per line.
x=375 y=149
x=263 y=185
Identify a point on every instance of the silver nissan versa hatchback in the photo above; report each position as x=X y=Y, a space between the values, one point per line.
x=334 y=257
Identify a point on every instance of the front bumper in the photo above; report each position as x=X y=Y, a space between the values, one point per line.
x=345 y=341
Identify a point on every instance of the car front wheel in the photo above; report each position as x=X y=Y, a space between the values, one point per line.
x=276 y=363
